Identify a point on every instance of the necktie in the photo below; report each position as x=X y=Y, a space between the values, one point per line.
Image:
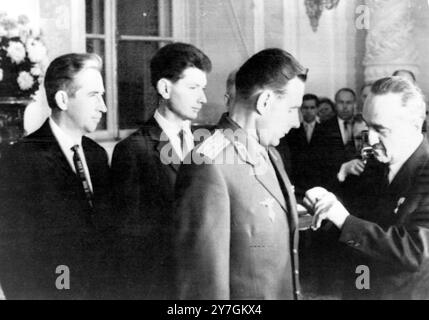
x=183 y=145
x=80 y=171
x=347 y=132
x=308 y=132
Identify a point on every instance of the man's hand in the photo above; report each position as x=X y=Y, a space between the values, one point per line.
x=329 y=208
x=354 y=167
x=312 y=196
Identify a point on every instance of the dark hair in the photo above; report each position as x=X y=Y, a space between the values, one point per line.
x=170 y=61
x=397 y=72
x=268 y=69
x=328 y=101
x=62 y=71
x=411 y=95
x=345 y=90
x=310 y=96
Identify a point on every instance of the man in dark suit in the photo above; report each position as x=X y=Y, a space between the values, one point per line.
x=144 y=169
x=391 y=243
x=53 y=184
x=336 y=152
x=236 y=232
x=300 y=142
x=335 y=159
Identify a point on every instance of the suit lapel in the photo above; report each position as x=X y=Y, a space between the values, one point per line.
x=409 y=171
x=53 y=153
x=95 y=167
x=303 y=135
x=338 y=131
x=247 y=150
x=315 y=132
x=395 y=196
x=276 y=160
x=163 y=147
x=269 y=182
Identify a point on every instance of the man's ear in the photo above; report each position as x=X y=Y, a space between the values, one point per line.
x=264 y=101
x=62 y=99
x=164 y=88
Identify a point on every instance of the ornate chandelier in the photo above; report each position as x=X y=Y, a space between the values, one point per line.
x=315 y=8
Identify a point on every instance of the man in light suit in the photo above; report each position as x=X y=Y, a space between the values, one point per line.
x=393 y=238
x=144 y=169
x=236 y=232
x=53 y=188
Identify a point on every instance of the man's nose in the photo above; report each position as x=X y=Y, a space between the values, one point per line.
x=373 y=137
x=102 y=105
x=203 y=97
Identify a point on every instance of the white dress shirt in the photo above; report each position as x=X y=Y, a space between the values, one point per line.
x=172 y=131
x=66 y=143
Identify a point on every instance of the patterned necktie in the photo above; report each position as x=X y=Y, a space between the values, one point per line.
x=80 y=171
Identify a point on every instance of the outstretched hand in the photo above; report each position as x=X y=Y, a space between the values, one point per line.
x=325 y=206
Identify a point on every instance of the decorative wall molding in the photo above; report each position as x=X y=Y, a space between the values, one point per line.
x=390 y=41
x=315 y=8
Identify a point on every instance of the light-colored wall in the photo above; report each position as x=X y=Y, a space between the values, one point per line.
x=421 y=16
x=229 y=31
x=333 y=54
x=63 y=24
x=223 y=29
x=30 y=8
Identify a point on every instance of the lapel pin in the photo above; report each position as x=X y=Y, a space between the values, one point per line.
x=400 y=202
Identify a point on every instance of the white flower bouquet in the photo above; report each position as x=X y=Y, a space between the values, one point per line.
x=23 y=57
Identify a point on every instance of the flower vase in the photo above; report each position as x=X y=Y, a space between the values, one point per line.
x=11 y=120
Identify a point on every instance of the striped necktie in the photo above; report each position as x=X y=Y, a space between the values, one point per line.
x=80 y=171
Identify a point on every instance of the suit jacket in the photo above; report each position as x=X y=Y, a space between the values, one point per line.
x=331 y=153
x=235 y=232
x=144 y=169
x=304 y=171
x=394 y=241
x=45 y=218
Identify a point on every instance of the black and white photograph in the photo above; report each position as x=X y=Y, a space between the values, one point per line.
x=215 y=151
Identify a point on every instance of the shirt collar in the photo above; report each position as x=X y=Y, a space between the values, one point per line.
x=310 y=125
x=340 y=122
x=63 y=139
x=171 y=129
